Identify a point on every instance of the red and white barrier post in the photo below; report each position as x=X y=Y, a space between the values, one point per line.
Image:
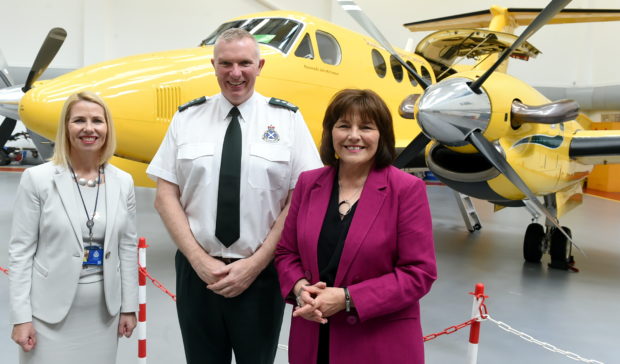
x=142 y=300
x=474 y=331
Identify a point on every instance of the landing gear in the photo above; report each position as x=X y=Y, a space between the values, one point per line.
x=468 y=212
x=560 y=249
x=548 y=239
x=533 y=243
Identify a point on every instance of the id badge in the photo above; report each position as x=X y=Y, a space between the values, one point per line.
x=93 y=256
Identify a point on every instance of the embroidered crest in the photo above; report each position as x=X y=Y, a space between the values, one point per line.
x=270 y=135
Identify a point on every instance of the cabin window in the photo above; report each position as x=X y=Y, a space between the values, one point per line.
x=397 y=69
x=279 y=33
x=426 y=74
x=329 y=49
x=411 y=79
x=379 y=63
x=304 y=50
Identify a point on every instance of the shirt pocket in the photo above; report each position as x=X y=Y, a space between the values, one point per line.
x=269 y=167
x=195 y=161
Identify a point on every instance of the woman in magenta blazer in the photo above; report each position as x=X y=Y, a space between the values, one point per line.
x=356 y=253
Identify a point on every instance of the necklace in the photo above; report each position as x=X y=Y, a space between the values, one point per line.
x=90 y=219
x=344 y=206
x=87 y=182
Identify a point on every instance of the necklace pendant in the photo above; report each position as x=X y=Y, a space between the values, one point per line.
x=90 y=223
x=91 y=183
x=82 y=181
x=344 y=205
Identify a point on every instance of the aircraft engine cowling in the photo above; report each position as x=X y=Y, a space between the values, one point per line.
x=467 y=173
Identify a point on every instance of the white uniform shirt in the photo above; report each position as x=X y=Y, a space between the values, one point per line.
x=276 y=148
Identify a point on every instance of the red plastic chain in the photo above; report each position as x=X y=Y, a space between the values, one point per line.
x=449 y=330
x=455 y=328
x=157 y=284
x=5 y=271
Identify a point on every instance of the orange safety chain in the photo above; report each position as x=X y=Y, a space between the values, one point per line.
x=5 y=271
x=455 y=328
x=158 y=284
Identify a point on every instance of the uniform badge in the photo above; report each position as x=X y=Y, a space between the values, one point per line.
x=270 y=135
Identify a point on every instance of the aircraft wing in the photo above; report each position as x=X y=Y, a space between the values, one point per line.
x=521 y=16
x=596 y=146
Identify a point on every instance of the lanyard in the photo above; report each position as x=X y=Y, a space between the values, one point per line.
x=90 y=219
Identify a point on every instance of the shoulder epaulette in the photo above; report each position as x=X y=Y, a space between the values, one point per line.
x=283 y=103
x=194 y=102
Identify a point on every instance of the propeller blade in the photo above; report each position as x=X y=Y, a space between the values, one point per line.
x=413 y=149
x=492 y=155
x=47 y=52
x=6 y=130
x=545 y=15
x=360 y=17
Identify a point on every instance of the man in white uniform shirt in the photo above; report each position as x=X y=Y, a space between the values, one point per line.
x=228 y=296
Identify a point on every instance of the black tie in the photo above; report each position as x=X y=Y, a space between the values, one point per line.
x=227 y=219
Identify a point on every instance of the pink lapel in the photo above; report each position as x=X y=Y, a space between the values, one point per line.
x=368 y=207
x=318 y=199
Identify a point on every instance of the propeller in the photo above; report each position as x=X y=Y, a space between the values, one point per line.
x=6 y=130
x=548 y=12
x=441 y=114
x=360 y=17
x=411 y=150
x=47 y=52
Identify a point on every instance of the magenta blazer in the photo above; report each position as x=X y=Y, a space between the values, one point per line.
x=388 y=264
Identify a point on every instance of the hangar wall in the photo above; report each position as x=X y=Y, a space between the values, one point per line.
x=576 y=55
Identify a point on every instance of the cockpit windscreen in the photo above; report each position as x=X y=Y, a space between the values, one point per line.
x=279 y=33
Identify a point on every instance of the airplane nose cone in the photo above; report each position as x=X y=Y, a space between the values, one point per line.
x=449 y=110
x=40 y=109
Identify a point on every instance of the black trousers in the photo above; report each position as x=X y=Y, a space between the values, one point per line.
x=213 y=326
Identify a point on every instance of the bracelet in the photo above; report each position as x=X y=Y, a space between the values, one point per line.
x=300 y=303
x=347 y=300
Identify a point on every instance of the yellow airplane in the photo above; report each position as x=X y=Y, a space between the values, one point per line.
x=309 y=59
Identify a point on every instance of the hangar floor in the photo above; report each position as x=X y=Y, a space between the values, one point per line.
x=576 y=312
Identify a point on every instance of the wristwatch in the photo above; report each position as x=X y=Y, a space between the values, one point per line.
x=347 y=300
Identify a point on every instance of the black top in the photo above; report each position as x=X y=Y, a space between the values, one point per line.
x=331 y=242
x=332 y=237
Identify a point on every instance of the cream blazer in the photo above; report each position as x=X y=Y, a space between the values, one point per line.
x=46 y=247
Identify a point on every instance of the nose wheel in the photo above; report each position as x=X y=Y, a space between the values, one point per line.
x=536 y=242
x=533 y=243
x=560 y=250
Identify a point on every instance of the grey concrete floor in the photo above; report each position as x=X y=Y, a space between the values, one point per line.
x=577 y=312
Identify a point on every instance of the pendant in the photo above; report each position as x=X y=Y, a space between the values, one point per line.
x=82 y=181
x=348 y=207
x=90 y=223
x=91 y=183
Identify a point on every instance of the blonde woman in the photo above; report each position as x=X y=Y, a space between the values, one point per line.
x=72 y=252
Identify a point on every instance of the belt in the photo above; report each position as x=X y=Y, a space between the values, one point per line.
x=227 y=260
